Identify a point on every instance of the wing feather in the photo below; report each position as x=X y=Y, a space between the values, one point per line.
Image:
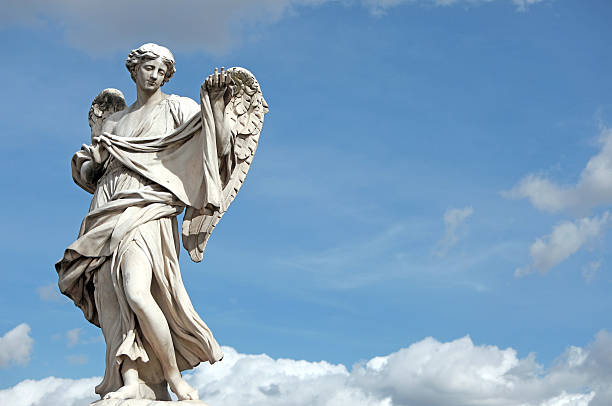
x=106 y=103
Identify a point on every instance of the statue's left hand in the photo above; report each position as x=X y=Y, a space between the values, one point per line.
x=98 y=151
x=218 y=87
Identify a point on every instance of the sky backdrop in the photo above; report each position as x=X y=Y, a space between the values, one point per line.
x=426 y=221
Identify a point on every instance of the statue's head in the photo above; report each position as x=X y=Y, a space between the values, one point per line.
x=147 y=52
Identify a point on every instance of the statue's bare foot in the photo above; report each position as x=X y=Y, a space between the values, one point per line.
x=125 y=392
x=182 y=389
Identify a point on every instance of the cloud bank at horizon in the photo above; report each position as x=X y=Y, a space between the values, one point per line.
x=427 y=373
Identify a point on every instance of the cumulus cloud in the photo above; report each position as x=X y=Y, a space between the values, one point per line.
x=593 y=189
x=427 y=373
x=190 y=25
x=16 y=347
x=453 y=220
x=51 y=391
x=564 y=240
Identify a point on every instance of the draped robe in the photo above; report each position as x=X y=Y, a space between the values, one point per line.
x=156 y=168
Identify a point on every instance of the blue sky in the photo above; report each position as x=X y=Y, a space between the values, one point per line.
x=427 y=169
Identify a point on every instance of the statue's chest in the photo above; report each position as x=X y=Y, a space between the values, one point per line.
x=145 y=123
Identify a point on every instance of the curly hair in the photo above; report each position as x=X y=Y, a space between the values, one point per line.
x=147 y=52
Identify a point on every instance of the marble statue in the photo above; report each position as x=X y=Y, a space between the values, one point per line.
x=147 y=163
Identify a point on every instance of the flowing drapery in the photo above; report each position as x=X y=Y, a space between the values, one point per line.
x=155 y=169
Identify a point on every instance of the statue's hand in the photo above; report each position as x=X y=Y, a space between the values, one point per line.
x=98 y=151
x=218 y=87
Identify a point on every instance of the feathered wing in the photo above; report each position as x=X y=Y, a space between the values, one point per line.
x=108 y=102
x=246 y=109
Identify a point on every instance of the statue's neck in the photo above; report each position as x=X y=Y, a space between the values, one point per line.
x=145 y=97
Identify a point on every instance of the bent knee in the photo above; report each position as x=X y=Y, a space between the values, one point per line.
x=136 y=272
x=139 y=299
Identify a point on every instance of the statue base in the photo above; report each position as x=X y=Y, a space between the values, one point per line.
x=147 y=402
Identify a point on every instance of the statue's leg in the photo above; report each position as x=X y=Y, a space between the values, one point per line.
x=122 y=384
x=137 y=275
x=131 y=383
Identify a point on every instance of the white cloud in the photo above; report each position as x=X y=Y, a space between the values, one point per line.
x=211 y=26
x=116 y=25
x=453 y=220
x=593 y=189
x=380 y=6
x=565 y=240
x=16 y=346
x=427 y=373
x=523 y=4
x=73 y=336
x=51 y=391
x=565 y=399
x=50 y=293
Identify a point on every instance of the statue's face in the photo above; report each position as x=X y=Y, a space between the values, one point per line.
x=150 y=74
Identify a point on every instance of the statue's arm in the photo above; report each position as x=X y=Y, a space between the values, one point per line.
x=88 y=162
x=222 y=127
x=87 y=171
x=100 y=153
x=217 y=86
x=83 y=170
x=241 y=102
x=93 y=168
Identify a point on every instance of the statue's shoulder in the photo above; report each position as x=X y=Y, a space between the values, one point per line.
x=110 y=122
x=119 y=114
x=182 y=106
x=182 y=101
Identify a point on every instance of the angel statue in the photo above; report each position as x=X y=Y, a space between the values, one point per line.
x=146 y=164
